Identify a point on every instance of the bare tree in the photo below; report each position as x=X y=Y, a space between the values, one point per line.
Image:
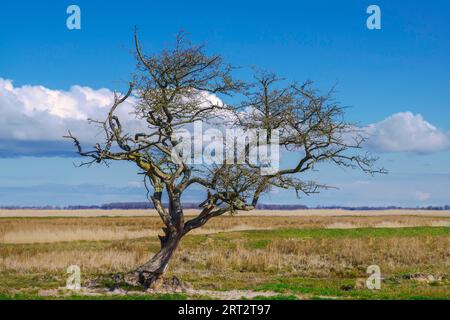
x=171 y=91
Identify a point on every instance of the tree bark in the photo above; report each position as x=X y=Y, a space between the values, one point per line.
x=150 y=272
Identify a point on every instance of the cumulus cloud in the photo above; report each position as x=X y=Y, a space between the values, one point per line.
x=35 y=118
x=406 y=132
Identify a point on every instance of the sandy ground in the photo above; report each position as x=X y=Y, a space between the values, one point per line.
x=191 y=212
x=224 y=295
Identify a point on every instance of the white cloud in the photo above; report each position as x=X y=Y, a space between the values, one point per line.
x=36 y=113
x=406 y=132
x=35 y=118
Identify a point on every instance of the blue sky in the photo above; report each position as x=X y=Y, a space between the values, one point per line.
x=396 y=79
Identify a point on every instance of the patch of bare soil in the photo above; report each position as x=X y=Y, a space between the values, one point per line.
x=234 y=294
x=223 y=295
x=165 y=286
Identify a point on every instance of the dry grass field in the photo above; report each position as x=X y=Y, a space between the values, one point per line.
x=308 y=254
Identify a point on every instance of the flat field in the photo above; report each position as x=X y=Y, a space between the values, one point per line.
x=304 y=254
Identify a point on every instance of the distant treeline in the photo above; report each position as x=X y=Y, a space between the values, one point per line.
x=148 y=205
x=367 y=208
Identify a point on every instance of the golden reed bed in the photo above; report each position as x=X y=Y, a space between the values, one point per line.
x=191 y=212
x=36 y=251
x=91 y=226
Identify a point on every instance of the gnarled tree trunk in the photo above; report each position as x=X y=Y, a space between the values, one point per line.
x=152 y=270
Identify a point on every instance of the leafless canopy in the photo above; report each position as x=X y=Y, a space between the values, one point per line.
x=171 y=90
